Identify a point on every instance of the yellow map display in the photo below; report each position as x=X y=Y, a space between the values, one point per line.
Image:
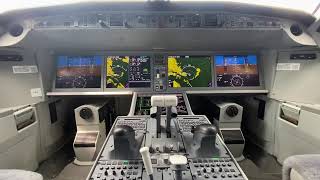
x=117 y=71
x=189 y=72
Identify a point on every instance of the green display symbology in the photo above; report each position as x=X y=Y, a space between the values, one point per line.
x=117 y=71
x=189 y=71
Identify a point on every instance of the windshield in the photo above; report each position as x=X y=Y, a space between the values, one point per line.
x=308 y=6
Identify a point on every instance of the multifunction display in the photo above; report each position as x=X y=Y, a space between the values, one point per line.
x=78 y=72
x=236 y=70
x=128 y=72
x=189 y=71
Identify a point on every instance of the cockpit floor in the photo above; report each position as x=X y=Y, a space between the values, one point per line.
x=258 y=165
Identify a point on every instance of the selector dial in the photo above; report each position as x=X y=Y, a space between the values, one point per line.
x=232 y=111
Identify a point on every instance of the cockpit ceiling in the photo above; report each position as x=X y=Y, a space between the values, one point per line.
x=308 y=6
x=292 y=9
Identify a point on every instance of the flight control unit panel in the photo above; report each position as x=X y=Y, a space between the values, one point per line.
x=164 y=147
x=157 y=72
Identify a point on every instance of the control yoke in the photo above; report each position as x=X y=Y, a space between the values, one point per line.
x=170 y=102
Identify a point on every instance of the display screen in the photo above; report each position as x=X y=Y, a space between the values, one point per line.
x=237 y=70
x=78 y=72
x=189 y=71
x=128 y=72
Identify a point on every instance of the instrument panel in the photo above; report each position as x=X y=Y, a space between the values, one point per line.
x=159 y=19
x=157 y=72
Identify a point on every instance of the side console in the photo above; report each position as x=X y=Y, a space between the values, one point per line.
x=170 y=147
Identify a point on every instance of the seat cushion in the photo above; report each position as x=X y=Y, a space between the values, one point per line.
x=306 y=166
x=13 y=174
x=294 y=175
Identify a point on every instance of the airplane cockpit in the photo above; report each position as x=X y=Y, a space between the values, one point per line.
x=160 y=90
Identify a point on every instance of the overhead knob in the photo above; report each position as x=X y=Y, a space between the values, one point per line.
x=86 y=113
x=232 y=111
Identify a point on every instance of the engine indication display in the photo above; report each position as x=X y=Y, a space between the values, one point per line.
x=128 y=72
x=189 y=71
x=237 y=70
x=78 y=72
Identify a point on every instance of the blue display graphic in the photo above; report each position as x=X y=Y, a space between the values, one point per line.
x=237 y=70
x=79 y=71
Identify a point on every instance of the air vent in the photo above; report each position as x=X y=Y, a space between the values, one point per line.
x=116 y=20
x=15 y=30
x=311 y=56
x=210 y=20
x=296 y=30
x=10 y=57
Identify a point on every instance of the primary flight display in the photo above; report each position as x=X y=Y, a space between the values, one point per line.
x=128 y=72
x=189 y=71
x=237 y=70
x=78 y=72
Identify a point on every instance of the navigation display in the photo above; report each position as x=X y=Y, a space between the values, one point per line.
x=128 y=72
x=78 y=72
x=237 y=70
x=189 y=71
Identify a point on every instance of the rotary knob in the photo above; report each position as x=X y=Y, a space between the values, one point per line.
x=232 y=111
x=86 y=113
